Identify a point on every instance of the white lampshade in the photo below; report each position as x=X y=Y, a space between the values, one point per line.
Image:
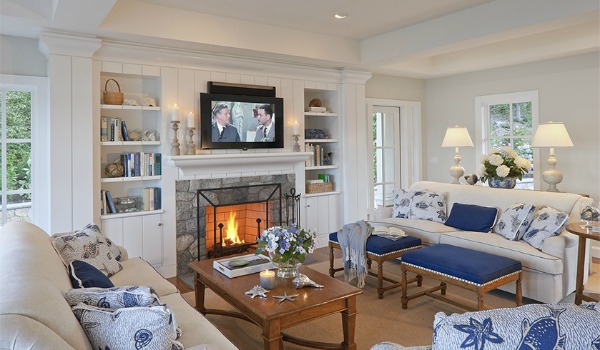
x=551 y=134
x=457 y=136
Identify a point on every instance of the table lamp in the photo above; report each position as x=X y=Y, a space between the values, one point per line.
x=457 y=136
x=551 y=134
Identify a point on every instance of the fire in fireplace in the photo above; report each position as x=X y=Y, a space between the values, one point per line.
x=236 y=216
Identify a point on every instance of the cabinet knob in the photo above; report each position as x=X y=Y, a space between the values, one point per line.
x=160 y=224
x=308 y=205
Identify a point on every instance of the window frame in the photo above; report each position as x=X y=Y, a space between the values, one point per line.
x=482 y=124
x=40 y=147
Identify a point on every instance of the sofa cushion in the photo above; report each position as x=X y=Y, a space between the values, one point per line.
x=514 y=221
x=428 y=205
x=402 y=200
x=89 y=245
x=546 y=326
x=113 y=298
x=138 y=272
x=546 y=222
x=129 y=328
x=470 y=217
x=84 y=275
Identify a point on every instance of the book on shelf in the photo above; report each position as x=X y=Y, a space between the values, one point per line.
x=112 y=132
x=152 y=198
x=104 y=129
x=157 y=164
x=111 y=204
x=124 y=131
x=117 y=129
x=103 y=204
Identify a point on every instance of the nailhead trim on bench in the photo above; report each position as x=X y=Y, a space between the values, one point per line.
x=389 y=253
x=463 y=280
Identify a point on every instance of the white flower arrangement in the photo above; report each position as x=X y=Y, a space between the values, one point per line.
x=503 y=163
x=285 y=244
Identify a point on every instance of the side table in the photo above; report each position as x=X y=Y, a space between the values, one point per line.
x=584 y=234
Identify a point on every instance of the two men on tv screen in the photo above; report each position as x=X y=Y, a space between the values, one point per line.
x=223 y=131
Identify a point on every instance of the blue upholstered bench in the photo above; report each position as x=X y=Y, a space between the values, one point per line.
x=470 y=269
x=379 y=249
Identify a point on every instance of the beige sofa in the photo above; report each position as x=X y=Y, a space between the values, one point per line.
x=35 y=315
x=548 y=275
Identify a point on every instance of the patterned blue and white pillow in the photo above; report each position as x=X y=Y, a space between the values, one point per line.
x=427 y=205
x=549 y=326
x=402 y=200
x=514 y=221
x=91 y=246
x=113 y=298
x=148 y=328
x=546 y=222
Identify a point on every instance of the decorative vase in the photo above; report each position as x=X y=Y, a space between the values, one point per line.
x=286 y=269
x=507 y=182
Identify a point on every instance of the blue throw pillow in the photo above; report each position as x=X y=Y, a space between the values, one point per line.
x=84 y=275
x=470 y=217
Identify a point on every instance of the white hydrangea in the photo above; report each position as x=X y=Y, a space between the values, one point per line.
x=496 y=159
x=522 y=163
x=502 y=171
x=509 y=152
x=485 y=158
x=481 y=170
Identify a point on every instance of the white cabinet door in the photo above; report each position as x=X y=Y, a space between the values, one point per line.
x=153 y=238
x=133 y=236
x=113 y=229
x=322 y=216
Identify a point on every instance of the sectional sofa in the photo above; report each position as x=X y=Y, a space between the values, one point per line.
x=548 y=273
x=35 y=315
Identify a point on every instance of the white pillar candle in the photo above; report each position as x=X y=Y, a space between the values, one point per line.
x=190 y=120
x=296 y=128
x=174 y=112
x=268 y=279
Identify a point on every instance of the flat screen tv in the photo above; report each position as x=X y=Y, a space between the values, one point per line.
x=229 y=121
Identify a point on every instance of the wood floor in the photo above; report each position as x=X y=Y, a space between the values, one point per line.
x=319 y=255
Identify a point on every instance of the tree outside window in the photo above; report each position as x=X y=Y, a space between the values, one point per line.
x=15 y=155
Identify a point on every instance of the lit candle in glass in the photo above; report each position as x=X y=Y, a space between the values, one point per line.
x=267 y=279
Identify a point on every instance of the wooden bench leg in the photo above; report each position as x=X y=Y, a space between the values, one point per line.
x=443 y=287
x=380 y=279
x=404 y=298
x=480 y=295
x=331 y=258
x=518 y=292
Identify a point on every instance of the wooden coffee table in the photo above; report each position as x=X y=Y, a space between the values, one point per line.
x=273 y=316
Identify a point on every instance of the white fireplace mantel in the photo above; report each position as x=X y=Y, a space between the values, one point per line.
x=237 y=162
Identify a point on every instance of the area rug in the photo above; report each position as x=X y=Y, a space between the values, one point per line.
x=377 y=320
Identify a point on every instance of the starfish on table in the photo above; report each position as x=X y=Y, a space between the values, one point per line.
x=257 y=291
x=285 y=297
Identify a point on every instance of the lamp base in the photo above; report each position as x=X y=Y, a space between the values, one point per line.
x=552 y=177
x=456 y=171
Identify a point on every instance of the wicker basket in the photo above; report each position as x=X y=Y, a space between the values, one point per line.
x=112 y=98
x=319 y=187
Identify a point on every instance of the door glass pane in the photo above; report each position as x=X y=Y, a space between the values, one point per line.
x=1 y=109
x=378 y=160
x=388 y=129
x=379 y=197
x=18 y=115
x=499 y=120
x=389 y=169
x=389 y=195
x=18 y=172
x=377 y=130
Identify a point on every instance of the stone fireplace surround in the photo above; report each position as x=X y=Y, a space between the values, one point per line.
x=186 y=218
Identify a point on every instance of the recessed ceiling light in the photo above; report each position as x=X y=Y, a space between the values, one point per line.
x=340 y=15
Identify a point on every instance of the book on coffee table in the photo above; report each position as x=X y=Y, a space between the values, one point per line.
x=243 y=265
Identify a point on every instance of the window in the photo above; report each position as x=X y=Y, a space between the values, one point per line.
x=393 y=153
x=508 y=120
x=24 y=150
x=15 y=154
x=386 y=150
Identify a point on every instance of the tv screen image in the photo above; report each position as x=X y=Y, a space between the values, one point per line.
x=240 y=122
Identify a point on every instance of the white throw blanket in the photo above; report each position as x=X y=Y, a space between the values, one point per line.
x=353 y=242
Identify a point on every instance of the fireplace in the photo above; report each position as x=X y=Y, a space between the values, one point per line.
x=195 y=236
x=235 y=216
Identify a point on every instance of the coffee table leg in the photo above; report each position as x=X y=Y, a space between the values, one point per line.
x=331 y=270
x=199 y=289
x=349 y=323
x=272 y=339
